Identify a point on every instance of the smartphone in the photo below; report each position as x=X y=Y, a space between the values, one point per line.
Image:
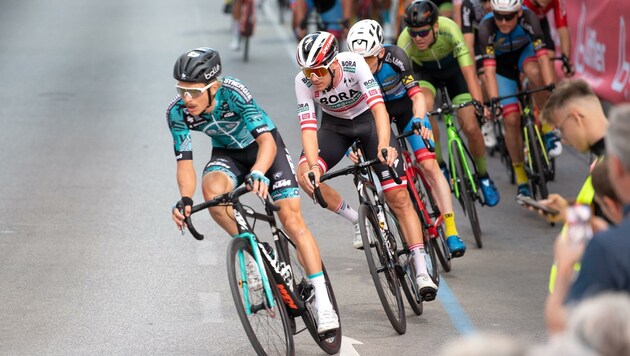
x=528 y=201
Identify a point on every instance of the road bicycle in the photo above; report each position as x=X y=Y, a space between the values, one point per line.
x=381 y=234
x=498 y=127
x=424 y=201
x=268 y=312
x=540 y=168
x=461 y=165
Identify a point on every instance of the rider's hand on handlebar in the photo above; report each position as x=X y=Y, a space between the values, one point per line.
x=317 y=173
x=180 y=211
x=354 y=157
x=392 y=154
x=495 y=108
x=259 y=183
x=426 y=131
x=567 y=67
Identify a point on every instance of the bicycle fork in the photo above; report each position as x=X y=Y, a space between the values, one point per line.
x=453 y=137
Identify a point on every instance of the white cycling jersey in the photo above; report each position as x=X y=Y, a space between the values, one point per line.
x=356 y=92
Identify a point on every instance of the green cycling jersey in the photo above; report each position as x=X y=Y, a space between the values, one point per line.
x=448 y=47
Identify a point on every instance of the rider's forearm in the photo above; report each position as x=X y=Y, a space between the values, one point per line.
x=546 y=69
x=492 y=86
x=470 y=43
x=186 y=178
x=266 y=153
x=565 y=41
x=383 y=126
x=473 y=82
x=419 y=105
x=311 y=146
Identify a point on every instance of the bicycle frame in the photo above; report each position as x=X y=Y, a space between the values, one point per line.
x=528 y=119
x=281 y=269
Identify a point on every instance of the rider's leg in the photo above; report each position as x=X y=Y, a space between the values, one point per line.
x=468 y=123
x=236 y=24
x=216 y=183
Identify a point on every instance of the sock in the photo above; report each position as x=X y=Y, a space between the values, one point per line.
x=236 y=29
x=347 y=212
x=482 y=167
x=546 y=128
x=519 y=171
x=321 y=292
x=417 y=253
x=449 y=224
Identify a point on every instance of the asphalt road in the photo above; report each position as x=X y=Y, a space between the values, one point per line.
x=90 y=261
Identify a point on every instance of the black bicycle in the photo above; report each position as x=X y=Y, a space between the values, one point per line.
x=268 y=307
x=381 y=233
x=539 y=166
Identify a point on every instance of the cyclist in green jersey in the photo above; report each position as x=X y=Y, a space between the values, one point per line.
x=439 y=53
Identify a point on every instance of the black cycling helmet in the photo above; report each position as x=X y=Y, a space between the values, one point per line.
x=200 y=65
x=421 y=13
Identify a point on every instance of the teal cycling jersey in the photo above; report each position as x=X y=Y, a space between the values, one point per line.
x=234 y=123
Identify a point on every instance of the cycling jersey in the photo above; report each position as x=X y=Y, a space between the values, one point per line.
x=235 y=122
x=559 y=11
x=233 y=125
x=356 y=92
x=346 y=115
x=449 y=46
x=396 y=79
x=395 y=76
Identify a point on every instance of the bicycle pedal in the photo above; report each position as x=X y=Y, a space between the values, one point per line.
x=428 y=295
x=328 y=334
x=400 y=271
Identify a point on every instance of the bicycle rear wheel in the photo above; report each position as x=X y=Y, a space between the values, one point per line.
x=407 y=272
x=438 y=244
x=538 y=172
x=465 y=191
x=330 y=342
x=268 y=328
x=382 y=268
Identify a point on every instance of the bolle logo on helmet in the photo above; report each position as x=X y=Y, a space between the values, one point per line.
x=193 y=54
x=213 y=72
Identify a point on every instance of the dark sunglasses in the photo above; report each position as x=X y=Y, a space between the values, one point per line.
x=508 y=17
x=421 y=33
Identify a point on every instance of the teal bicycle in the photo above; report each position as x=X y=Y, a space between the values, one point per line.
x=269 y=286
x=461 y=165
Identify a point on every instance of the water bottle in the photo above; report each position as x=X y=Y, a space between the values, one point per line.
x=579 y=228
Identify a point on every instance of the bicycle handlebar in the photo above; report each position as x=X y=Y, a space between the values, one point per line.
x=229 y=198
x=520 y=94
x=447 y=108
x=417 y=126
x=318 y=198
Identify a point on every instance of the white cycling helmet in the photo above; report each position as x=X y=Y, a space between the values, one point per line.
x=506 y=5
x=365 y=38
x=317 y=49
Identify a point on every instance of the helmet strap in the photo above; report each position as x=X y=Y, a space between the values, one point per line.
x=210 y=99
x=332 y=80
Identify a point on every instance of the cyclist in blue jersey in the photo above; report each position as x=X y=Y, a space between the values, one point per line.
x=246 y=146
x=405 y=104
x=512 y=42
x=334 y=15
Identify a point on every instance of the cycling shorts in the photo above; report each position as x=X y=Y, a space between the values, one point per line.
x=509 y=67
x=401 y=111
x=237 y=163
x=452 y=77
x=332 y=16
x=336 y=135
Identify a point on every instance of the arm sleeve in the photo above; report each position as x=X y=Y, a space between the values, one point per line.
x=560 y=13
x=398 y=59
x=468 y=17
x=182 y=143
x=531 y=25
x=305 y=105
x=486 y=33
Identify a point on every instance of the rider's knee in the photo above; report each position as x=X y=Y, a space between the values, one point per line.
x=398 y=199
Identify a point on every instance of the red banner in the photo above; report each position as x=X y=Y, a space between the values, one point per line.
x=600 y=49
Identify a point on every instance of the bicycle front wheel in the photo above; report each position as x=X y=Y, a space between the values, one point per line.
x=267 y=327
x=330 y=342
x=407 y=268
x=382 y=269
x=465 y=192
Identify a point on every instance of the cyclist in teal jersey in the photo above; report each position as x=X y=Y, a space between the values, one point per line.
x=439 y=53
x=246 y=147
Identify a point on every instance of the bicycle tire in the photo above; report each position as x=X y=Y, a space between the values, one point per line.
x=281 y=9
x=464 y=194
x=408 y=270
x=439 y=244
x=538 y=179
x=263 y=321
x=245 y=40
x=384 y=276
x=504 y=153
x=331 y=341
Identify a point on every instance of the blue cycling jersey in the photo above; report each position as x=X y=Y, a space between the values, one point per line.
x=495 y=43
x=396 y=76
x=234 y=123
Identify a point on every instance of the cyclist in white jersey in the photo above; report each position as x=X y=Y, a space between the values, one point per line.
x=353 y=108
